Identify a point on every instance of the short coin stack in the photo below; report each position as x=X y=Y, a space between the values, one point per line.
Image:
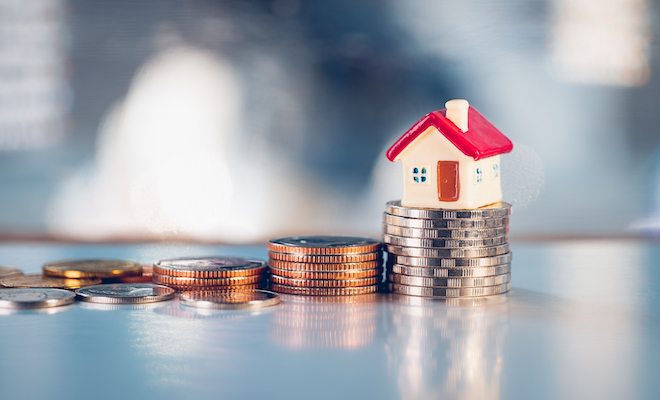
x=447 y=253
x=325 y=265
x=207 y=273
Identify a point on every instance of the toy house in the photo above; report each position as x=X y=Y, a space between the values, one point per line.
x=451 y=159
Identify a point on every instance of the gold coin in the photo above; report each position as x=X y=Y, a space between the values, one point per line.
x=92 y=269
x=324 y=244
x=147 y=273
x=41 y=281
x=346 y=274
x=325 y=283
x=321 y=267
x=175 y=280
x=325 y=259
x=315 y=291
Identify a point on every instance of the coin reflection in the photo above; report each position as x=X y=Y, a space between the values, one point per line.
x=447 y=349
x=176 y=309
x=320 y=322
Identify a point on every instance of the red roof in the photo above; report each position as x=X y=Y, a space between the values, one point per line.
x=482 y=139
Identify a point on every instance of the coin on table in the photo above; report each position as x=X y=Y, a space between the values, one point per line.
x=125 y=293
x=325 y=259
x=425 y=223
x=448 y=292
x=444 y=243
x=455 y=272
x=467 y=252
x=210 y=267
x=449 y=262
x=35 y=298
x=449 y=282
x=8 y=272
x=175 y=280
x=103 y=269
x=334 y=275
x=497 y=210
x=315 y=291
x=444 y=233
x=230 y=299
x=40 y=281
x=324 y=245
x=325 y=283
x=323 y=267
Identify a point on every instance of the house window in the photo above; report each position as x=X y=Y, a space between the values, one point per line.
x=494 y=170
x=478 y=174
x=420 y=174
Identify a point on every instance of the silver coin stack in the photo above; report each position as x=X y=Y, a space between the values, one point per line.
x=445 y=253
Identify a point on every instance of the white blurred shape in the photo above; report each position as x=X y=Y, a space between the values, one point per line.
x=170 y=162
x=601 y=42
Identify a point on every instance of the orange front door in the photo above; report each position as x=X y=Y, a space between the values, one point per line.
x=449 y=186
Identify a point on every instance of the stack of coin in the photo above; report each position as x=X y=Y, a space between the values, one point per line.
x=325 y=265
x=208 y=273
x=447 y=253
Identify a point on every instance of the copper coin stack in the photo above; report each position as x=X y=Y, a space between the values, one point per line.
x=443 y=253
x=325 y=265
x=206 y=273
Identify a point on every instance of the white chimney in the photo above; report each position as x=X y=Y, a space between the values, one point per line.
x=457 y=112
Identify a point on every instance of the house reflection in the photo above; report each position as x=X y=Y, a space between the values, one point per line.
x=447 y=349
x=306 y=322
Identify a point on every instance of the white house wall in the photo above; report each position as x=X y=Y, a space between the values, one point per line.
x=431 y=147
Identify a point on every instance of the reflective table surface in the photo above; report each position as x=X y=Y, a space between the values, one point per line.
x=582 y=321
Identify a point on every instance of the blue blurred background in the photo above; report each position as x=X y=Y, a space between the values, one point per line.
x=236 y=121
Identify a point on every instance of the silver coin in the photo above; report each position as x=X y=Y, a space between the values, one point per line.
x=444 y=233
x=449 y=282
x=449 y=262
x=468 y=272
x=424 y=223
x=35 y=298
x=444 y=243
x=448 y=292
x=467 y=252
x=230 y=299
x=212 y=266
x=9 y=272
x=125 y=293
x=497 y=210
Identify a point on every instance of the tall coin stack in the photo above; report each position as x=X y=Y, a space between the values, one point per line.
x=447 y=253
x=206 y=273
x=325 y=265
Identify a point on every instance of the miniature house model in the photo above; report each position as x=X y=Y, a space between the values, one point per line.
x=451 y=159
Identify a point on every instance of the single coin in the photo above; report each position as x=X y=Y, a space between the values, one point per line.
x=327 y=259
x=445 y=233
x=449 y=262
x=323 y=245
x=448 y=252
x=315 y=291
x=497 y=210
x=453 y=272
x=324 y=283
x=335 y=275
x=448 y=292
x=210 y=267
x=175 y=280
x=92 y=269
x=424 y=223
x=444 y=243
x=35 y=298
x=230 y=299
x=185 y=288
x=8 y=272
x=125 y=293
x=40 y=281
x=320 y=267
x=449 y=282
